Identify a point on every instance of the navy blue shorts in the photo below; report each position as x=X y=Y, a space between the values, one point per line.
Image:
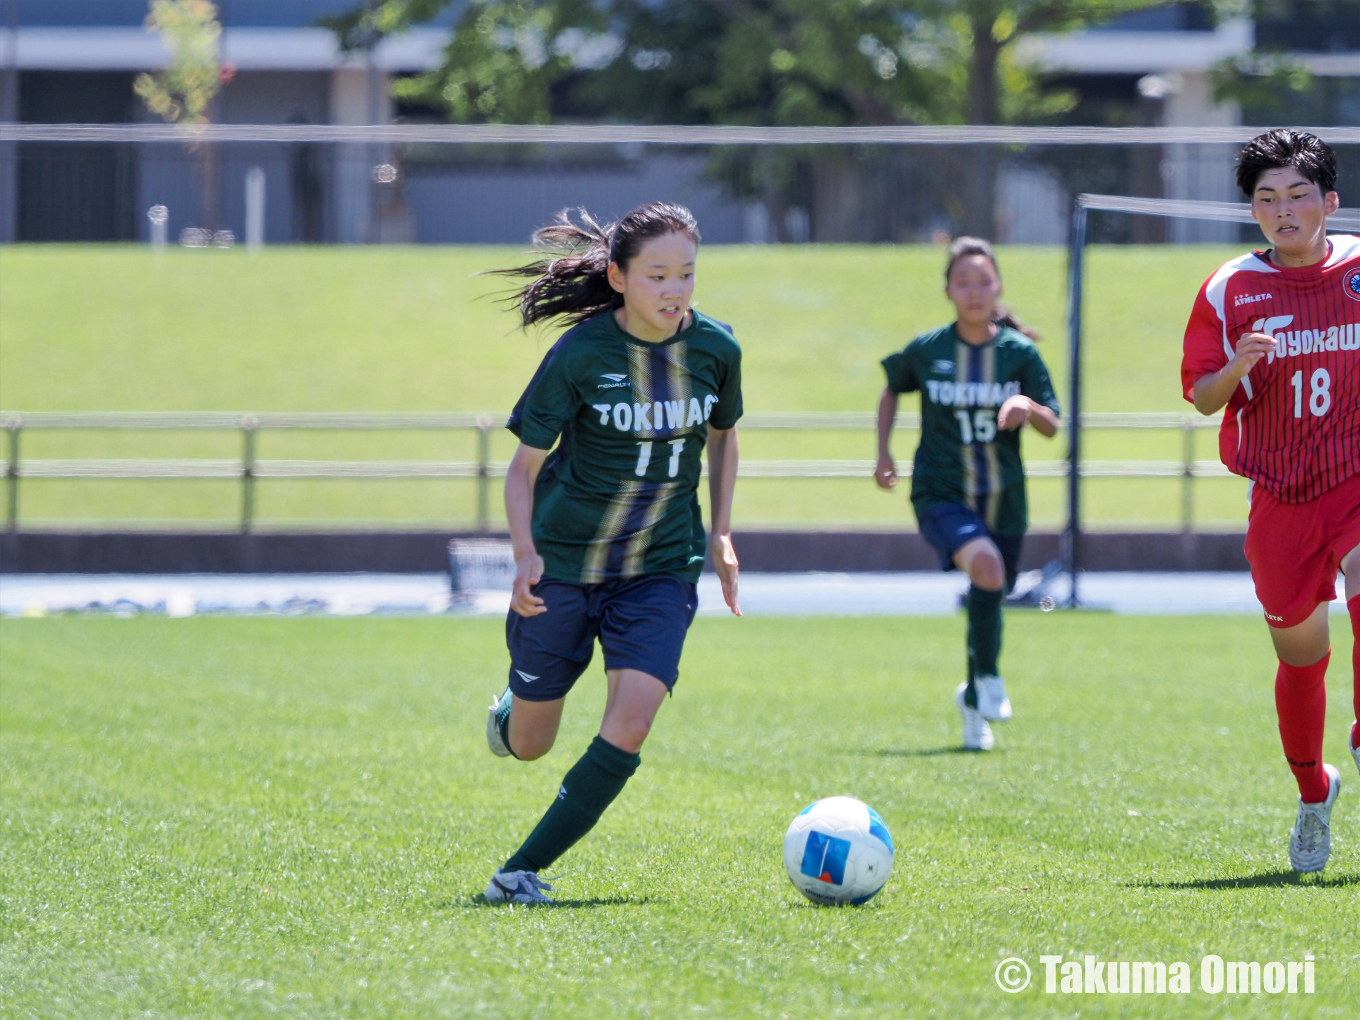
x=948 y=527
x=641 y=623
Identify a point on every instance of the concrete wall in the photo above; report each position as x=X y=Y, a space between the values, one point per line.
x=504 y=205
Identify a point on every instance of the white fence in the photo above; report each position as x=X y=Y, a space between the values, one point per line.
x=250 y=469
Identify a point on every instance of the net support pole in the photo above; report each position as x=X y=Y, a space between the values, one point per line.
x=1076 y=257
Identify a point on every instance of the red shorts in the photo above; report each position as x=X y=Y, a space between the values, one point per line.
x=1295 y=548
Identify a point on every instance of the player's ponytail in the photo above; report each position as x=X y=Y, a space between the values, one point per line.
x=568 y=275
x=1005 y=317
x=961 y=247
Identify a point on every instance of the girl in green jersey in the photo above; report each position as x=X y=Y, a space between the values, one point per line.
x=601 y=499
x=981 y=380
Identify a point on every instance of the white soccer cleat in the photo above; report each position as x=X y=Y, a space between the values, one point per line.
x=1310 y=841
x=500 y=707
x=517 y=887
x=991 y=698
x=977 y=735
x=1355 y=751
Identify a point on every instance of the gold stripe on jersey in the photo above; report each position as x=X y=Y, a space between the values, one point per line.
x=640 y=542
x=993 y=464
x=970 y=480
x=645 y=390
x=612 y=522
x=640 y=375
x=677 y=361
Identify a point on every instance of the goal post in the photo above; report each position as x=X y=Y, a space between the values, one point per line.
x=1343 y=221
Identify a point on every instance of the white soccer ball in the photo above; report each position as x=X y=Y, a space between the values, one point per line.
x=838 y=850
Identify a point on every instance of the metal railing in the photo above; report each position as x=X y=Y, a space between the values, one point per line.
x=249 y=469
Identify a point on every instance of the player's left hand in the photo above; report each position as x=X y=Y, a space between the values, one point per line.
x=1014 y=412
x=726 y=567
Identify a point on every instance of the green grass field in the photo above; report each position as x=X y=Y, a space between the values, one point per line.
x=222 y=817
x=393 y=329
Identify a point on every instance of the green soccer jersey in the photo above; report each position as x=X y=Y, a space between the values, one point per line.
x=618 y=497
x=963 y=458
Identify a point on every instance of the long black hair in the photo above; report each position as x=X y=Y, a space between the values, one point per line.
x=961 y=247
x=567 y=277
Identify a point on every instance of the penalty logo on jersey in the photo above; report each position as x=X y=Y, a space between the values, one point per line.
x=1350 y=283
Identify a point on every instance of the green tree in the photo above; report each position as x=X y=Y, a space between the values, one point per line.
x=996 y=89
x=768 y=62
x=183 y=92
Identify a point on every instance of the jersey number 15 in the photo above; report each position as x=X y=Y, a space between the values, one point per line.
x=979 y=428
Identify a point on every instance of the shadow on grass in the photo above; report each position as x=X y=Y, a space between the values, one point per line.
x=917 y=752
x=1266 y=879
x=478 y=901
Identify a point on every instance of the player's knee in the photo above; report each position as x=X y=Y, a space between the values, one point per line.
x=987 y=571
x=530 y=750
x=629 y=734
x=529 y=746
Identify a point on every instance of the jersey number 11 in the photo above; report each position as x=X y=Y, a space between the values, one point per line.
x=645 y=458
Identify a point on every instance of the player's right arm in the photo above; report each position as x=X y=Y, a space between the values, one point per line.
x=519 y=512
x=1213 y=391
x=885 y=473
x=547 y=404
x=1210 y=372
x=901 y=379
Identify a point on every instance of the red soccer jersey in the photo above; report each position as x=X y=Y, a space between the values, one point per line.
x=1293 y=424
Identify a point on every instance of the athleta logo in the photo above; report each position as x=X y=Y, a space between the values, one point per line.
x=525 y=676
x=943 y=365
x=1247 y=299
x=657 y=417
x=971 y=394
x=612 y=381
x=1350 y=283
x=1294 y=342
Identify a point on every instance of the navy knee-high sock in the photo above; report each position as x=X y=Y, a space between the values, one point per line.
x=587 y=789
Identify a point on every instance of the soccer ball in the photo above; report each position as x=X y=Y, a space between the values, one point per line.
x=838 y=850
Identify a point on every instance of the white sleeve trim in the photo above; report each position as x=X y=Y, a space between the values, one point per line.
x=1216 y=290
x=1344 y=246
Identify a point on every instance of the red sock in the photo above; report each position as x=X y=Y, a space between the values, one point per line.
x=1301 y=702
x=1354 y=607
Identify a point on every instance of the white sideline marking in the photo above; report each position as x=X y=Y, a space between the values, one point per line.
x=762 y=594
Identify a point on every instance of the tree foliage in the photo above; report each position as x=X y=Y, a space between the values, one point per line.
x=736 y=61
x=758 y=62
x=182 y=93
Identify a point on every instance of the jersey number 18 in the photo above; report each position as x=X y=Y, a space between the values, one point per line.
x=1319 y=393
